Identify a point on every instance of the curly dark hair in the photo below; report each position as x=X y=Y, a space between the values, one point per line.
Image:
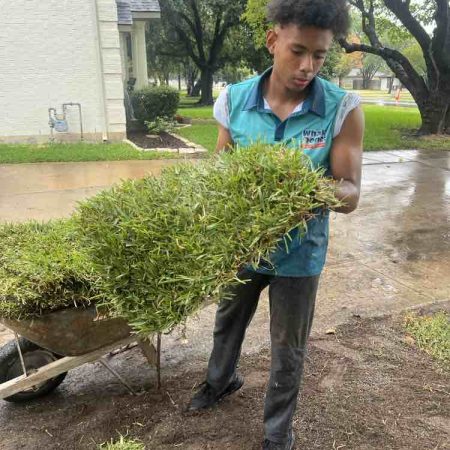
x=327 y=14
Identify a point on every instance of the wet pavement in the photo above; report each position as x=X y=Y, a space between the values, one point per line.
x=51 y=190
x=391 y=254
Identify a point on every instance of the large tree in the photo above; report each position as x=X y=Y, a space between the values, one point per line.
x=330 y=68
x=371 y=64
x=406 y=20
x=431 y=91
x=200 y=28
x=163 y=61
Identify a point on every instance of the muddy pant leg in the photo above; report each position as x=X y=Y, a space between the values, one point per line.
x=292 y=303
x=232 y=319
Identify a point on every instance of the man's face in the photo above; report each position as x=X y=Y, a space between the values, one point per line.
x=298 y=53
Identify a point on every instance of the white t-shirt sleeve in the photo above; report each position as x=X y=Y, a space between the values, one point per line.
x=221 y=113
x=350 y=102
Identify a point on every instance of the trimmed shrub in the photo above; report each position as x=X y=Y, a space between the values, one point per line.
x=153 y=102
x=160 y=125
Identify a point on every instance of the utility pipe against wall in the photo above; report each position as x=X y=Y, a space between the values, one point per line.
x=100 y=71
x=51 y=122
x=78 y=105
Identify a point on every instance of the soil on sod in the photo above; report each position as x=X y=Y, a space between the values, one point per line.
x=366 y=387
x=165 y=140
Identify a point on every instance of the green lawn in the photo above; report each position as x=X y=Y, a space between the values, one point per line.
x=74 y=152
x=203 y=134
x=188 y=108
x=387 y=128
x=196 y=112
x=186 y=101
x=390 y=128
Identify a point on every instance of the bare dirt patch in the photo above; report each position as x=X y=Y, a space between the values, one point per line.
x=366 y=387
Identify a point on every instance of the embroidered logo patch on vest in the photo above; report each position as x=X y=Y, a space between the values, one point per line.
x=313 y=139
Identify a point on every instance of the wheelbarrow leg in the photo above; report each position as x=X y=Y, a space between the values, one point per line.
x=117 y=375
x=158 y=363
x=153 y=354
x=19 y=350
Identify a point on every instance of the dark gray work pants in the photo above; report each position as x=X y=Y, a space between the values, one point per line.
x=291 y=313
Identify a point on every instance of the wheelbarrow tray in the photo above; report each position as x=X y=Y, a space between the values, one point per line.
x=71 y=332
x=79 y=335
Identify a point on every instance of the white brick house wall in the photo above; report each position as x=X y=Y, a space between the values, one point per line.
x=49 y=55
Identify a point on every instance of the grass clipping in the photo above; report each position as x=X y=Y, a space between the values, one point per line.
x=42 y=269
x=163 y=245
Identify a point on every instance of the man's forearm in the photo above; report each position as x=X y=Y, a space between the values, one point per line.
x=348 y=193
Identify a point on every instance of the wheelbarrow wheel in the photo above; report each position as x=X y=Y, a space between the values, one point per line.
x=34 y=357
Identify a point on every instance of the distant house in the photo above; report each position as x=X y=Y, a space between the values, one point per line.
x=64 y=65
x=380 y=81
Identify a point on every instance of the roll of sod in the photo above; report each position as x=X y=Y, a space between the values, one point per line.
x=161 y=246
x=43 y=268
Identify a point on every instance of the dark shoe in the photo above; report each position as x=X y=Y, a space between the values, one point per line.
x=289 y=445
x=206 y=396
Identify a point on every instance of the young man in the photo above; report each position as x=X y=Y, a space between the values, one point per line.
x=288 y=103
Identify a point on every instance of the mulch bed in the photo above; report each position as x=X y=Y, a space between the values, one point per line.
x=164 y=140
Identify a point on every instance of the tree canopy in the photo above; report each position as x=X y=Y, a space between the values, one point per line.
x=423 y=66
x=428 y=80
x=199 y=29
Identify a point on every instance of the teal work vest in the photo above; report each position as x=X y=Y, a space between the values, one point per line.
x=309 y=130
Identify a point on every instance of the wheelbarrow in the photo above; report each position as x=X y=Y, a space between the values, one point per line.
x=46 y=348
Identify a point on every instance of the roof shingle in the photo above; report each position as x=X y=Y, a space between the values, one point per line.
x=125 y=9
x=145 y=6
x=124 y=12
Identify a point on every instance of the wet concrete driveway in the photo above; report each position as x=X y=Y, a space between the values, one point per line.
x=52 y=190
x=391 y=254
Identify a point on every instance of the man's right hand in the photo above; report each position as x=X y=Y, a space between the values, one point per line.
x=224 y=141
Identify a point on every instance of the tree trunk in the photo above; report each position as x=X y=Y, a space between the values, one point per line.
x=206 y=81
x=189 y=87
x=390 y=85
x=447 y=123
x=435 y=113
x=191 y=76
x=195 y=91
x=341 y=81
